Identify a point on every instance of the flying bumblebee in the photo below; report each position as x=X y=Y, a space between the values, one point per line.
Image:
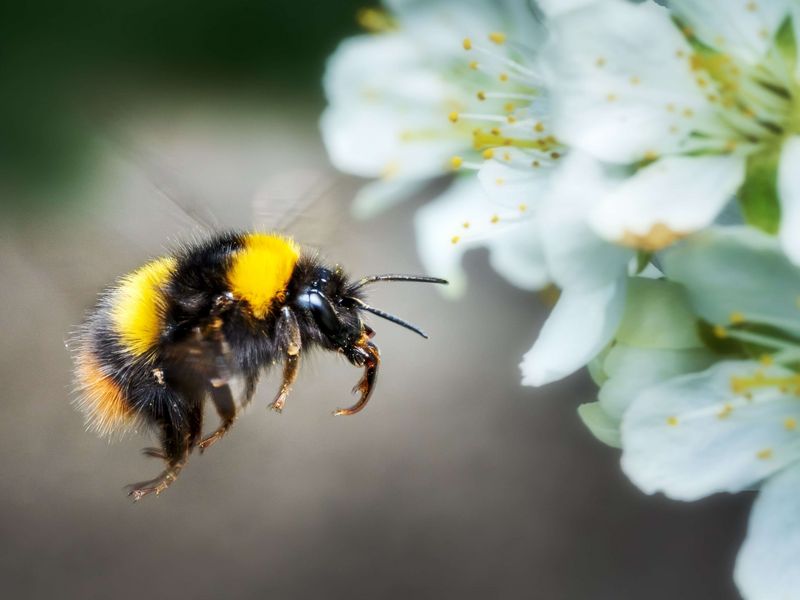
x=209 y=318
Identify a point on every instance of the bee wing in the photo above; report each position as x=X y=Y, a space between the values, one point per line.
x=306 y=203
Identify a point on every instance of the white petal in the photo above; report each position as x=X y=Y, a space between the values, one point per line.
x=581 y=324
x=517 y=255
x=789 y=192
x=554 y=8
x=377 y=196
x=712 y=264
x=514 y=250
x=681 y=194
x=621 y=82
x=576 y=255
x=691 y=436
x=744 y=28
x=767 y=567
x=371 y=141
x=514 y=182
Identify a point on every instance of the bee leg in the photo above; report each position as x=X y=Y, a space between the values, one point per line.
x=222 y=398
x=175 y=443
x=288 y=332
x=367 y=354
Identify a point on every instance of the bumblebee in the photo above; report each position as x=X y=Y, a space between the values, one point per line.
x=203 y=323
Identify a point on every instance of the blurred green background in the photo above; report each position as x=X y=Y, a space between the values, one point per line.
x=71 y=70
x=456 y=482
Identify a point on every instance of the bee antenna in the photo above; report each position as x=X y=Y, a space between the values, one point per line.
x=392 y=277
x=384 y=315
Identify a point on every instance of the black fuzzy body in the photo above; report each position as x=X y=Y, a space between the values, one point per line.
x=207 y=336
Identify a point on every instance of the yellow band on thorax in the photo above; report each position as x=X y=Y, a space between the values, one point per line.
x=138 y=309
x=261 y=269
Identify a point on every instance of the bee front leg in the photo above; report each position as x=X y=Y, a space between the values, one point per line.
x=365 y=354
x=288 y=333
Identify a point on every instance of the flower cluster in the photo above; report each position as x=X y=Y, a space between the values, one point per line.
x=645 y=161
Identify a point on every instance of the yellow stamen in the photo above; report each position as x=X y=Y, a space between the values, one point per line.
x=453 y=116
x=790 y=423
x=764 y=454
x=494 y=219
x=736 y=318
x=456 y=162
x=672 y=421
x=467 y=44
x=497 y=37
x=455 y=239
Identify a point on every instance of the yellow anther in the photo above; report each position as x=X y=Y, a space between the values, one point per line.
x=671 y=107
x=600 y=62
x=720 y=331
x=455 y=239
x=726 y=411
x=473 y=64
x=672 y=421
x=375 y=20
x=764 y=454
x=635 y=80
x=688 y=112
x=488 y=154
x=555 y=155
x=651 y=155
x=467 y=44
x=499 y=181
x=495 y=131
x=481 y=96
x=497 y=37
x=506 y=156
x=751 y=6
x=453 y=116
x=611 y=97
x=736 y=318
x=790 y=423
x=495 y=219
x=766 y=360
x=536 y=164
x=465 y=224
x=509 y=107
x=511 y=119
x=539 y=127
x=789 y=384
x=522 y=207
x=503 y=77
x=456 y=162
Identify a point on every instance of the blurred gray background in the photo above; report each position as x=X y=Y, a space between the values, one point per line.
x=455 y=482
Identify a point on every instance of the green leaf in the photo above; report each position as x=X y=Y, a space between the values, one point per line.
x=603 y=427
x=758 y=195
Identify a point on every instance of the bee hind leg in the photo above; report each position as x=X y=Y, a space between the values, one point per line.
x=175 y=451
x=223 y=401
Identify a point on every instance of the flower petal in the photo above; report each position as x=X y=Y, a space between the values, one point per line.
x=789 y=192
x=377 y=196
x=673 y=196
x=581 y=324
x=576 y=255
x=743 y=29
x=712 y=264
x=603 y=427
x=442 y=238
x=621 y=82
x=691 y=436
x=767 y=567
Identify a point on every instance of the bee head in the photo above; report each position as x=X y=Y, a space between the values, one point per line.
x=336 y=305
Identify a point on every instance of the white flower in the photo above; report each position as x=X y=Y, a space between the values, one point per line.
x=694 y=99
x=590 y=272
x=390 y=93
x=735 y=425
